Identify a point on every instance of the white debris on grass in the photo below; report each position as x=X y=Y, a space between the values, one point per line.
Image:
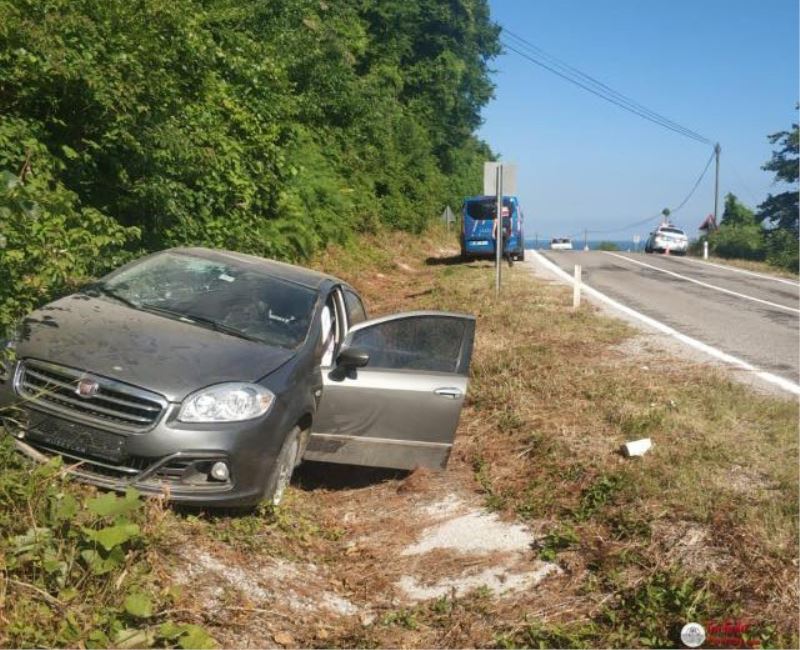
x=497 y=579
x=474 y=532
x=266 y=584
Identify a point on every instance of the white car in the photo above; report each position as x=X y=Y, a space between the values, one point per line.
x=561 y=244
x=667 y=238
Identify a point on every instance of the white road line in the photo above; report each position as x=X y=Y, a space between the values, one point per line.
x=706 y=284
x=764 y=276
x=785 y=384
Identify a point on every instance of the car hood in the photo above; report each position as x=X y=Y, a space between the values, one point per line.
x=167 y=356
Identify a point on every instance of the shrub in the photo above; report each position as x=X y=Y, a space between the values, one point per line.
x=745 y=241
x=607 y=246
x=782 y=249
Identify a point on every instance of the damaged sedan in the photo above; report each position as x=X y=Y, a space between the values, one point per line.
x=208 y=376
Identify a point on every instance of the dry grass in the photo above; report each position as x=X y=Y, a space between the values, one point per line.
x=703 y=526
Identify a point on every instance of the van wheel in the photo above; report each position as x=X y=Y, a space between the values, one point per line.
x=521 y=256
x=281 y=474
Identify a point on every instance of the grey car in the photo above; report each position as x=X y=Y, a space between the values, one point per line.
x=208 y=376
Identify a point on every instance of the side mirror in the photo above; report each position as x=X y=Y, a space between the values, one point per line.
x=353 y=358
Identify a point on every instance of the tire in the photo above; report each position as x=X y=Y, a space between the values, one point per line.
x=281 y=474
x=521 y=256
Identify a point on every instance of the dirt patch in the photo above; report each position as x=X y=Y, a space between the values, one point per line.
x=689 y=545
x=399 y=547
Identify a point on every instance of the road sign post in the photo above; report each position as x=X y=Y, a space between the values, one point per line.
x=499 y=179
x=499 y=230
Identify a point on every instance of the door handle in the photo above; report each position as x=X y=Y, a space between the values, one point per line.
x=452 y=393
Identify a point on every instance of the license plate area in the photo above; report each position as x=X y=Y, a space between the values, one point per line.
x=76 y=438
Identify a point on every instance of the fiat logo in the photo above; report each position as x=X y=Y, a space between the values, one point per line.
x=87 y=387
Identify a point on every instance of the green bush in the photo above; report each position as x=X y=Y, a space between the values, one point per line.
x=783 y=249
x=271 y=128
x=607 y=246
x=745 y=241
x=49 y=241
x=77 y=567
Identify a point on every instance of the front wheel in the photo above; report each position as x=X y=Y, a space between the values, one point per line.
x=281 y=474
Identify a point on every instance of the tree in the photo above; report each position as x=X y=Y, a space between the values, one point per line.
x=781 y=210
x=736 y=213
x=265 y=127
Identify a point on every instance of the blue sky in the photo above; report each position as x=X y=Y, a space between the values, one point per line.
x=727 y=69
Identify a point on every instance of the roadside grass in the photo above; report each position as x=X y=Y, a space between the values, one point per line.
x=550 y=404
x=753 y=265
x=703 y=527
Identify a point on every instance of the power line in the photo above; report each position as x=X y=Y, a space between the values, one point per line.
x=697 y=183
x=539 y=57
x=605 y=89
x=672 y=211
x=628 y=227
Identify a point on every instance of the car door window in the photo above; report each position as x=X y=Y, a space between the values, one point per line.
x=328 y=332
x=355 y=308
x=416 y=343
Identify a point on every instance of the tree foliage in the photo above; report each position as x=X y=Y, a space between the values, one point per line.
x=736 y=213
x=268 y=127
x=781 y=209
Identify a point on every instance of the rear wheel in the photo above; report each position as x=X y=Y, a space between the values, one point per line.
x=281 y=474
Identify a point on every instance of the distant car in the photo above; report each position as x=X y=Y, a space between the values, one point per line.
x=561 y=244
x=667 y=237
x=208 y=375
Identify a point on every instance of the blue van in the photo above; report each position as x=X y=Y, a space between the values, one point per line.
x=477 y=227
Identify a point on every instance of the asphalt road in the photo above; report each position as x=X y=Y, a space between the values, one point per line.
x=754 y=318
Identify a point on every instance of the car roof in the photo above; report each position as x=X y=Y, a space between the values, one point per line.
x=281 y=270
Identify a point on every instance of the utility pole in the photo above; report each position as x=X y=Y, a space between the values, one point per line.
x=499 y=229
x=717 y=149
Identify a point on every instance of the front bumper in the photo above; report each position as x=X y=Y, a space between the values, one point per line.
x=486 y=247
x=171 y=459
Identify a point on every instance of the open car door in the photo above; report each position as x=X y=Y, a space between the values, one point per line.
x=400 y=408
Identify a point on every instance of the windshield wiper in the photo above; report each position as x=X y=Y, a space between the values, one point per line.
x=105 y=291
x=200 y=320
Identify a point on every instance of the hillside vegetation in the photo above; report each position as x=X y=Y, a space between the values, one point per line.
x=266 y=127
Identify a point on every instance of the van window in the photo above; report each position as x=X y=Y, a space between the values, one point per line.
x=485 y=209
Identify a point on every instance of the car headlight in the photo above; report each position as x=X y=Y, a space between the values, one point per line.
x=231 y=402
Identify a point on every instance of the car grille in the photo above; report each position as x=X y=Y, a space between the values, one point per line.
x=115 y=405
x=133 y=470
x=93 y=467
